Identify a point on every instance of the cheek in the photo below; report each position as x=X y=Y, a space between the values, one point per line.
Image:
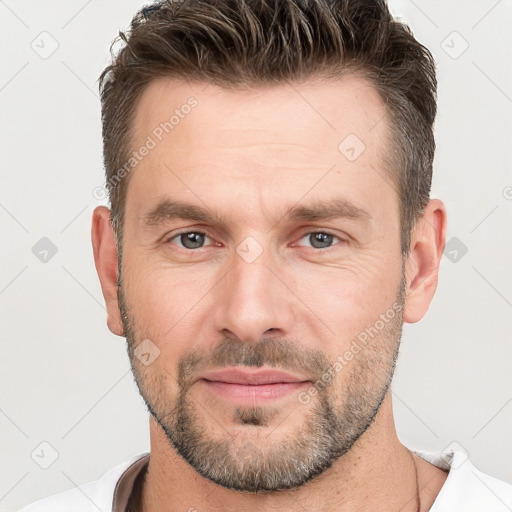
x=349 y=297
x=166 y=305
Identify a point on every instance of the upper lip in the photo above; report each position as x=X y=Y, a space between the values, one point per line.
x=238 y=375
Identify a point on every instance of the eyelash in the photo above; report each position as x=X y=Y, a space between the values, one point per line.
x=203 y=233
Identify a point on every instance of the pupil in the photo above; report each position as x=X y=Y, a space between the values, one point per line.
x=191 y=240
x=323 y=238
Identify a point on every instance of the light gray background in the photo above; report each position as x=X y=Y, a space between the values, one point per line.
x=65 y=377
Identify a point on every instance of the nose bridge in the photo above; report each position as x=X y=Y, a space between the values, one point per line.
x=253 y=299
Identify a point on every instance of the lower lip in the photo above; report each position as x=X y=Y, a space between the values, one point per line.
x=251 y=393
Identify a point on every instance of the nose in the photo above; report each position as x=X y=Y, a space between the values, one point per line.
x=254 y=300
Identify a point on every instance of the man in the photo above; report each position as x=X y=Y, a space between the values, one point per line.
x=269 y=167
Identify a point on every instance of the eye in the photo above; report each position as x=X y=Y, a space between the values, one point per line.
x=190 y=239
x=320 y=239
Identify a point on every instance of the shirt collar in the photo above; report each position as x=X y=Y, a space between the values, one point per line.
x=124 y=486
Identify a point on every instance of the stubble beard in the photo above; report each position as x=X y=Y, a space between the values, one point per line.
x=333 y=423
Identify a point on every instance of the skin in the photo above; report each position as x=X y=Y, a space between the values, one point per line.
x=249 y=156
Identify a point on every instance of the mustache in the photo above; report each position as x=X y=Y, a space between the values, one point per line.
x=275 y=353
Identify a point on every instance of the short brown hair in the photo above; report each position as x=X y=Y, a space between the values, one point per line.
x=249 y=42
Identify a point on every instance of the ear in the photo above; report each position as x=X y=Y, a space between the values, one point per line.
x=422 y=265
x=105 y=258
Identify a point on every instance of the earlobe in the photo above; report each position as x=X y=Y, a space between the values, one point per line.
x=422 y=265
x=106 y=261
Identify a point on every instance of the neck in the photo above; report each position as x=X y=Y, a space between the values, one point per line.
x=378 y=473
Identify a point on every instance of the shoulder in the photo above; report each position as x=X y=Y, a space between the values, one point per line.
x=466 y=488
x=90 y=497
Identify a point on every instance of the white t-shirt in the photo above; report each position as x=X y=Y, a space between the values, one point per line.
x=466 y=489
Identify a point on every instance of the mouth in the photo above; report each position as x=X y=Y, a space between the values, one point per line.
x=246 y=386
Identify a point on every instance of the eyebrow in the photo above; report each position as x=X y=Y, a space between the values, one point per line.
x=324 y=209
x=169 y=209
x=327 y=209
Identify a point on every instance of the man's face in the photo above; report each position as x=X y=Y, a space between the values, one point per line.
x=273 y=330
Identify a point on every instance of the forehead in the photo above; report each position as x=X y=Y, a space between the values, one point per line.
x=294 y=112
x=275 y=140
